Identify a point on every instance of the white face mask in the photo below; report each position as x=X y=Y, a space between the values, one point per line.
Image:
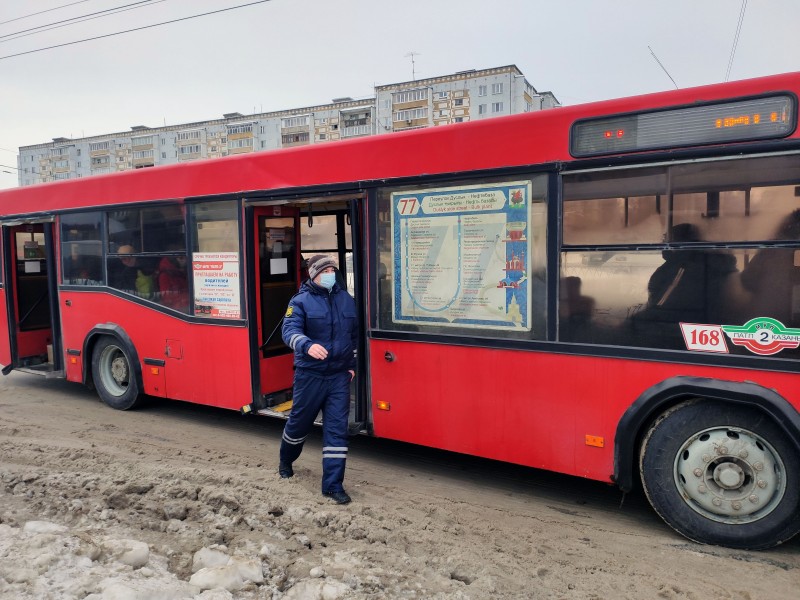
x=327 y=280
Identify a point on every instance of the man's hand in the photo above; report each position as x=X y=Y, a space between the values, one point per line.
x=352 y=374
x=318 y=352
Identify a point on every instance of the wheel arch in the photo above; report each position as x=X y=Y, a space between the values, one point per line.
x=117 y=332
x=664 y=395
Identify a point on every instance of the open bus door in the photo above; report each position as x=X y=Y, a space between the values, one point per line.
x=277 y=278
x=284 y=237
x=29 y=293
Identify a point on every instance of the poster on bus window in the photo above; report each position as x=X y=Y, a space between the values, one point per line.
x=461 y=256
x=216 y=284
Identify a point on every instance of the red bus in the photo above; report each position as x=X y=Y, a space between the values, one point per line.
x=609 y=290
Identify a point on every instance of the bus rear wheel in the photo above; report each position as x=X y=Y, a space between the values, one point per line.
x=114 y=378
x=722 y=474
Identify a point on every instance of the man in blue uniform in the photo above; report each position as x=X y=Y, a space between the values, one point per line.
x=321 y=327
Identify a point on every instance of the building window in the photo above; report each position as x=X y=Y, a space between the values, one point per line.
x=190 y=149
x=61 y=164
x=497 y=107
x=263 y=129
x=411 y=114
x=60 y=176
x=459 y=119
x=497 y=88
x=322 y=136
x=241 y=143
x=444 y=95
x=163 y=155
x=294 y=138
x=481 y=109
x=294 y=122
x=146 y=140
x=139 y=154
x=410 y=96
x=263 y=144
x=185 y=136
x=481 y=90
x=59 y=151
x=243 y=128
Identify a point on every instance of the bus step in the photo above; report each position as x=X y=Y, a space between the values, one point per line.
x=46 y=370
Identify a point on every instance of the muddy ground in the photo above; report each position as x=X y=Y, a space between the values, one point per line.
x=181 y=501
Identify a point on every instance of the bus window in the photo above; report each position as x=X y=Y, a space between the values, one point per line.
x=736 y=200
x=215 y=268
x=163 y=229
x=81 y=249
x=599 y=208
x=700 y=271
x=323 y=238
x=215 y=226
x=464 y=259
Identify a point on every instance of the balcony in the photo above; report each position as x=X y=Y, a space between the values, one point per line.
x=356 y=130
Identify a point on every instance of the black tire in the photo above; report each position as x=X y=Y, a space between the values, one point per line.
x=722 y=474
x=113 y=373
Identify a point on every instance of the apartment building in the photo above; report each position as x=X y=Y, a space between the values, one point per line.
x=455 y=98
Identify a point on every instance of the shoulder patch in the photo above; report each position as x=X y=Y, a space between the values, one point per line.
x=289 y=311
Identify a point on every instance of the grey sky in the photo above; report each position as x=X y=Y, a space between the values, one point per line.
x=291 y=53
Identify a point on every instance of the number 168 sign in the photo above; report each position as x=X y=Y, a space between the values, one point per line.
x=704 y=338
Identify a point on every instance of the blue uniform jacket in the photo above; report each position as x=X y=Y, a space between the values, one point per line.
x=315 y=316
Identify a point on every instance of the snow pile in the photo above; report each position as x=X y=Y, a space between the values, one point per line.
x=43 y=559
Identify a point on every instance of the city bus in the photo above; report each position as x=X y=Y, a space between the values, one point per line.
x=608 y=290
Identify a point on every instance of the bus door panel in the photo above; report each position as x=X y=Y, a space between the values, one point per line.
x=30 y=269
x=5 y=332
x=277 y=276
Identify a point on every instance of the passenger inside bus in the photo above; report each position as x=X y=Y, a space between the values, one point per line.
x=130 y=274
x=773 y=277
x=688 y=287
x=173 y=287
x=574 y=309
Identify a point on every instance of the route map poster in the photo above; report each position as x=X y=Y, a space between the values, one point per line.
x=460 y=256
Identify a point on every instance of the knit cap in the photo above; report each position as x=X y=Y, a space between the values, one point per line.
x=318 y=263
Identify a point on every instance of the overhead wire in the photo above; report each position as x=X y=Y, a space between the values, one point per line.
x=736 y=39
x=41 y=12
x=107 y=35
x=48 y=26
x=82 y=19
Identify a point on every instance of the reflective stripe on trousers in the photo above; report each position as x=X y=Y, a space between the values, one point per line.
x=313 y=393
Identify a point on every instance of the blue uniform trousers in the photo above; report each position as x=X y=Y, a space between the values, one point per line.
x=331 y=394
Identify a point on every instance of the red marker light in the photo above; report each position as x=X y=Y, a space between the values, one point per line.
x=607 y=134
x=620 y=133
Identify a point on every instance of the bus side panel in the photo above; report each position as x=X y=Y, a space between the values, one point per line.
x=510 y=406
x=551 y=411
x=5 y=339
x=203 y=363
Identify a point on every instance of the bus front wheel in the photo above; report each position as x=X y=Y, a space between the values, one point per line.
x=114 y=378
x=722 y=474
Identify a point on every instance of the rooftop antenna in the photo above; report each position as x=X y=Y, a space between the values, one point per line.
x=663 y=67
x=412 y=54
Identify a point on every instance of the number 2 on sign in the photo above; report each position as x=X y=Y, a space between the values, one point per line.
x=704 y=338
x=407 y=206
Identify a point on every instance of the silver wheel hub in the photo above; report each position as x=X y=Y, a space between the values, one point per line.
x=730 y=475
x=119 y=369
x=114 y=371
